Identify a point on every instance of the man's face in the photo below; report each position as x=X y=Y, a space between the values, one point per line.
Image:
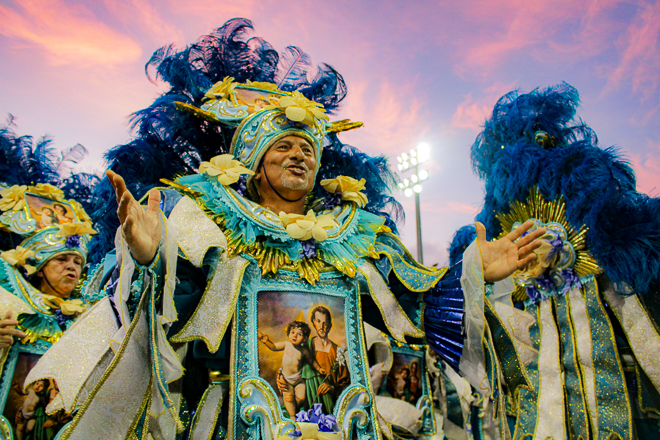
x=290 y=165
x=62 y=273
x=321 y=324
x=296 y=336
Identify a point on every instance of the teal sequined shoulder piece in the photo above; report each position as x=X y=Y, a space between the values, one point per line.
x=255 y=231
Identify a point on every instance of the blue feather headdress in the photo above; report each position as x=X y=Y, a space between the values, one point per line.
x=533 y=141
x=169 y=143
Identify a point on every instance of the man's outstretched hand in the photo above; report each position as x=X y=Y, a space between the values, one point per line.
x=501 y=258
x=140 y=227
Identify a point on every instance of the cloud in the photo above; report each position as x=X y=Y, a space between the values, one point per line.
x=67 y=33
x=394 y=120
x=147 y=17
x=639 y=64
x=647 y=171
x=463 y=208
x=546 y=31
x=471 y=114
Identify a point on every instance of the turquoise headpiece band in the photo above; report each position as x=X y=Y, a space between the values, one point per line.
x=259 y=131
x=263 y=114
x=47 y=243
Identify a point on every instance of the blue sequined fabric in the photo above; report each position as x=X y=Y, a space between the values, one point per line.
x=443 y=316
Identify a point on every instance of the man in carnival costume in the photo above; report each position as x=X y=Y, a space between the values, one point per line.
x=254 y=240
x=585 y=321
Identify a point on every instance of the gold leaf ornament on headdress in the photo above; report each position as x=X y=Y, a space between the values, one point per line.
x=348 y=187
x=80 y=211
x=221 y=89
x=18 y=257
x=227 y=169
x=77 y=228
x=304 y=227
x=48 y=191
x=300 y=109
x=12 y=198
x=261 y=85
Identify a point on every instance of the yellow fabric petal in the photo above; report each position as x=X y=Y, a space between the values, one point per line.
x=286 y=101
x=77 y=228
x=48 y=190
x=295 y=113
x=296 y=232
x=227 y=179
x=12 y=198
x=319 y=233
x=29 y=269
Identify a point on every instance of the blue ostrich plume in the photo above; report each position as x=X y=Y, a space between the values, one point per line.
x=462 y=239
x=24 y=161
x=169 y=143
x=598 y=185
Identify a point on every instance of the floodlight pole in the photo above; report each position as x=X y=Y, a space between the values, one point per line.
x=418 y=221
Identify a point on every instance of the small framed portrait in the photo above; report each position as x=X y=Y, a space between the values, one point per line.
x=302 y=349
x=49 y=212
x=255 y=100
x=408 y=380
x=24 y=413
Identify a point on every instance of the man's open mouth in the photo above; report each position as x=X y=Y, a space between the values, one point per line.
x=296 y=169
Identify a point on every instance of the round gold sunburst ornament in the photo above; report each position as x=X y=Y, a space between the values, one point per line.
x=562 y=258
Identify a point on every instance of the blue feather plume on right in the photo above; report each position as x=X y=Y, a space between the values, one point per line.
x=598 y=185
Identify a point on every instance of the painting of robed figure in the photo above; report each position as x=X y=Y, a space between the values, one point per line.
x=302 y=353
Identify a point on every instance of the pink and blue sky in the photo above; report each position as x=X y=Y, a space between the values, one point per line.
x=417 y=71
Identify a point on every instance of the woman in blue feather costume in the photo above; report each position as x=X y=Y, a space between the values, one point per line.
x=589 y=335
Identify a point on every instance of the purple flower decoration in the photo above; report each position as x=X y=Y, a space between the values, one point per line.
x=327 y=424
x=331 y=200
x=571 y=280
x=240 y=186
x=62 y=318
x=72 y=241
x=557 y=244
x=534 y=294
x=545 y=283
x=295 y=433
x=309 y=248
x=316 y=413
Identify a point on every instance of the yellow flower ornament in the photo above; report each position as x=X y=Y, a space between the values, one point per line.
x=300 y=109
x=304 y=227
x=49 y=191
x=67 y=306
x=12 y=198
x=18 y=257
x=348 y=187
x=77 y=228
x=221 y=89
x=227 y=169
x=80 y=211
